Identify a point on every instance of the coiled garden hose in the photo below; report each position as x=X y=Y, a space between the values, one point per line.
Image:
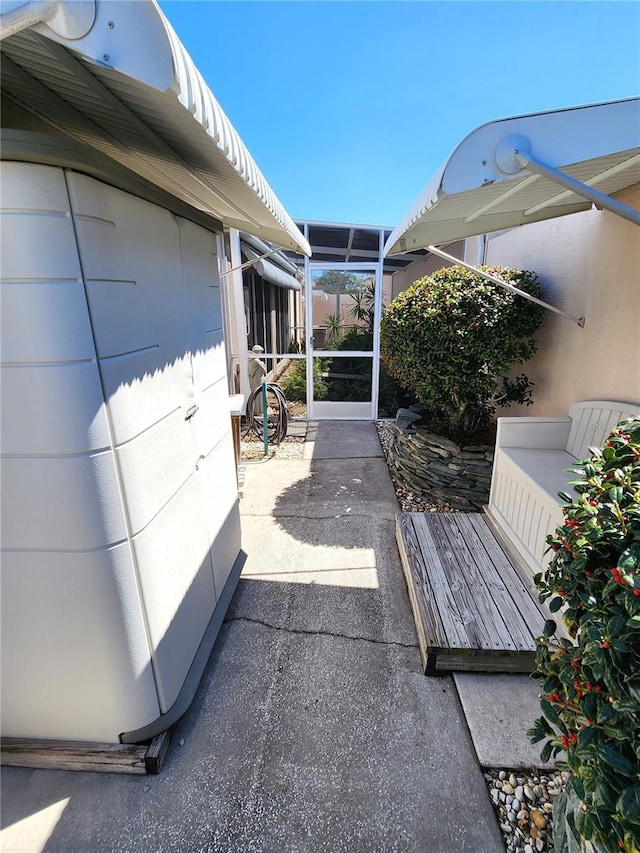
x=277 y=422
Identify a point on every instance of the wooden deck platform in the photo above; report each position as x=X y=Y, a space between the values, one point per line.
x=472 y=608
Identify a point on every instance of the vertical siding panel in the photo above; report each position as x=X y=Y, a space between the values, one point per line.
x=67 y=541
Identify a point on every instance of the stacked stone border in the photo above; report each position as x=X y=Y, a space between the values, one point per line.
x=441 y=471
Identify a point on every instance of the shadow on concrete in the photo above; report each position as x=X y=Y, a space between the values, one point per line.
x=313 y=729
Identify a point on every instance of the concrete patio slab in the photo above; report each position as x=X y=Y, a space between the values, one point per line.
x=261 y=497
x=338 y=440
x=334 y=575
x=314 y=729
x=313 y=744
x=316 y=488
x=335 y=488
x=499 y=709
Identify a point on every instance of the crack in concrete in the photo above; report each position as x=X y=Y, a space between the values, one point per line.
x=324 y=517
x=321 y=633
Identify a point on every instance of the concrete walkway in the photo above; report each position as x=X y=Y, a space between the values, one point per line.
x=314 y=728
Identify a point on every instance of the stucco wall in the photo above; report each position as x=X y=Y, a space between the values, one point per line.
x=405 y=278
x=589 y=265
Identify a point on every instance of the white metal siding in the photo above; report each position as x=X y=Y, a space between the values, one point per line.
x=154 y=300
x=120 y=521
x=75 y=658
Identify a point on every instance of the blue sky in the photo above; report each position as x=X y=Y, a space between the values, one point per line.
x=349 y=107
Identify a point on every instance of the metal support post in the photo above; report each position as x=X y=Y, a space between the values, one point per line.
x=265 y=418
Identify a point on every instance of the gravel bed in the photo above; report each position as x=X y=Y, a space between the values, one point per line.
x=290 y=448
x=524 y=807
x=523 y=801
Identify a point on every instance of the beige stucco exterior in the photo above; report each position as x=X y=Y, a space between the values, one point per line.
x=405 y=278
x=589 y=265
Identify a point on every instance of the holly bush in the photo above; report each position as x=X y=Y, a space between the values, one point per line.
x=453 y=337
x=591 y=689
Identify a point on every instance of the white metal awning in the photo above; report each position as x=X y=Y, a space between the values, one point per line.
x=526 y=169
x=266 y=249
x=112 y=74
x=268 y=270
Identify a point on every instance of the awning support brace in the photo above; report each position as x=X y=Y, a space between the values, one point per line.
x=506 y=285
x=251 y=262
x=528 y=161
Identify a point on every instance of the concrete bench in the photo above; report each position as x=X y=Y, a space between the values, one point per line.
x=530 y=468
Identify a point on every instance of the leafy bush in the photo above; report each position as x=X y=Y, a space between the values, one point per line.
x=591 y=690
x=453 y=337
x=294 y=382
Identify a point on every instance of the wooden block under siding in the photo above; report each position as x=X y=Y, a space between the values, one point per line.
x=156 y=752
x=136 y=759
x=73 y=755
x=472 y=610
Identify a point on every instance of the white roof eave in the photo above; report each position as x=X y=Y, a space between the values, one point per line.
x=134 y=52
x=473 y=193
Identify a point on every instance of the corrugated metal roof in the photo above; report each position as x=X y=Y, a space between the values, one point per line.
x=346 y=242
x=471 y=194
x=130 y=90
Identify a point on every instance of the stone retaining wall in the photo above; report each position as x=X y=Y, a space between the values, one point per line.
x=439 y=470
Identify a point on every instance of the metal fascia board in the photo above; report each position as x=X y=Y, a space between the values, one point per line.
x=134 y=40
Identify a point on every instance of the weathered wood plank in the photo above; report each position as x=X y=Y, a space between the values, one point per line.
x=73 y=755
x=513 y=662
x=438 y=637
x=506 y=585
x=156 y=752
x=499 y=590
x=523 y=593
x=452 y=619
x=409 y=557
x=429 y=628
x=484 y=626
x=473 y=610
x=537 y=623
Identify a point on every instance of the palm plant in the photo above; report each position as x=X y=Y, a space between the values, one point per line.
x=363 y=308
x=334 y=329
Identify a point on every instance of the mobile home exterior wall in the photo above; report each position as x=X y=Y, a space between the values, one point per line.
x=120 y=523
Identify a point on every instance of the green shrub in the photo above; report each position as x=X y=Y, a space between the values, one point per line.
x=294 y=383
x=591 y=690
x=452 y=339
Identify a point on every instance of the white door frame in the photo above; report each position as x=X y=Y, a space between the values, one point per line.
x=319 y=410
